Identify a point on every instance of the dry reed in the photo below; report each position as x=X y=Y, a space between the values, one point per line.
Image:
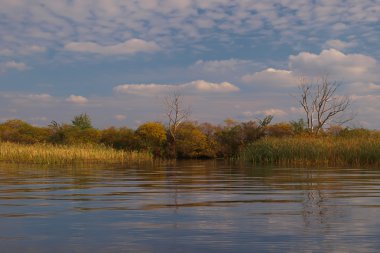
x=60 y=154
x=329 y=151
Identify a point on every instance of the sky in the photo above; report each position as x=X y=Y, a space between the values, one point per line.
x=116 y=60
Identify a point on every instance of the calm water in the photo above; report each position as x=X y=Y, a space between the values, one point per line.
x=189 y=207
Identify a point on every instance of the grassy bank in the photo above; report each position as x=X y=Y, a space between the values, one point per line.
x=330 y=151
x=58 y=154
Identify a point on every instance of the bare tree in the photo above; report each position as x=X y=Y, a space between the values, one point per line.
x=321 y=103
x=176 y=112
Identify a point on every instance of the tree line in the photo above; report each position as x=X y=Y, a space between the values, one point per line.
x=192 y=139
x=183 y=138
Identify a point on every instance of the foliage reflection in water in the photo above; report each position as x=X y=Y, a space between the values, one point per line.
x=203 y=206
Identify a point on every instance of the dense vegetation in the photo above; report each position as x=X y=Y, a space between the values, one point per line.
x=67 y=155
x=327 y=151
x=254 y=141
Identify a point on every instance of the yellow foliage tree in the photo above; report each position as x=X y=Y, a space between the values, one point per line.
x=152 y=136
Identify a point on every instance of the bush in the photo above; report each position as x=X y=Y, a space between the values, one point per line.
x=119 y=138
x=192 y=142
x=21 y=132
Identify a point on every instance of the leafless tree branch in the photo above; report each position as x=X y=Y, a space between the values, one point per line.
x=176 y=112
x=321 y=104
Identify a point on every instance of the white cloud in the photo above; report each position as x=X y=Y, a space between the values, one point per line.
x=200 y=86
x=33 y=49
x=6 y=52
x=27 y=50
x=77 y=99
x=204 y=86
x=32 y=99
x=10 y=65
x=120 y=117
x=248 y=114
x=271 y=77
x=221 y=65
x=270 y=111
x=128 y=47
x=347 y=67
x=144 y=89
x=338 y=27
x=273 y=112
x=359 y=73
x=39 y=97
x=373 y=86
x=176 y=21
x=339 y=44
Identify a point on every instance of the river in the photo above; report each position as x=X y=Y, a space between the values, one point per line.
x=188 y=206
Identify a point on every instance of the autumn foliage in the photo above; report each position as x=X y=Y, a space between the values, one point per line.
x=231 y=139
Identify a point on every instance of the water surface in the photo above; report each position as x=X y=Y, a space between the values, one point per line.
x=192 y=206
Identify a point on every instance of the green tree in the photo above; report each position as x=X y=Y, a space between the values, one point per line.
x=68 y=134
x=299 y=126
x=82 y=121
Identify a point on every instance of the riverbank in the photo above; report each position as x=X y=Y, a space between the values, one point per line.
x=63 y=154
x=305 y=151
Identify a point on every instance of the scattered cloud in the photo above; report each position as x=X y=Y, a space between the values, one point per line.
x=128 y=47
x=272 y=78
x=273 y=112
x=248 y=114
x=345 y=67
x=39 y=97
x=120 y=117
x=265 y=112
x=339 y=44
x=204 y=86
x=6 y=52
x=200 y=86
x=33 y=49
x=95 y=24
x=339 y=27
x=27 y=99
x=359 y=73
x=25 y=51
x=221 y=65
x=224 y=34
x=13 y=65
x=80 y=100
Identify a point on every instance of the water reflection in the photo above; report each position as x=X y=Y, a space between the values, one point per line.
x=204 y=206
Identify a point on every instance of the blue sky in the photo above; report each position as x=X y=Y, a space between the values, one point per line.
x=117 y=59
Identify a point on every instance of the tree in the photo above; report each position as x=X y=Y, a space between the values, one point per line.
x=298 y=127
x=15 y=130
x=71 y=135
x=321 y=104
x=119 y=138
x=80 y=131
x=192 y=142
x=152 y=137
x=82 y=121
x=177 y=113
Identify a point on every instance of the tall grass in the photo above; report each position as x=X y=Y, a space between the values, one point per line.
x=330 y=151
x=54 y=154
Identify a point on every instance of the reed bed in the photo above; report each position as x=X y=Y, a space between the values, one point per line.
x=59 y=154
x=327 y=151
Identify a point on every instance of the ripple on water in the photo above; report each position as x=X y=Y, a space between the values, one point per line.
x=193 y=206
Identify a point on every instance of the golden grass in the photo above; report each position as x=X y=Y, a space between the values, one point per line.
x=59 y=154
x=329 y=151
